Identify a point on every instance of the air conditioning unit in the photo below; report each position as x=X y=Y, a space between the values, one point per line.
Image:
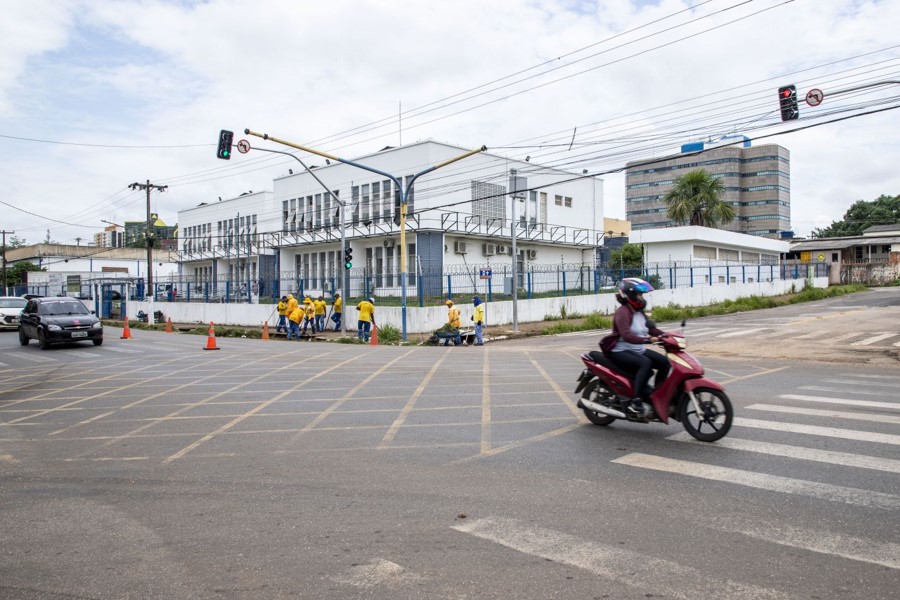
x=532 y=254
x=488 y=249
x=389 y=243
x=502 y=249
x=460 y=247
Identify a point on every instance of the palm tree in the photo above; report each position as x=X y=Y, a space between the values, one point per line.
x=696 y=199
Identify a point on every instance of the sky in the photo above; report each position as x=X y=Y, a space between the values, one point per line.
x=96 y=95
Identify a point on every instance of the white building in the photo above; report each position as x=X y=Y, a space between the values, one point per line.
x=459 y=220
x=693 y=255
x=77 y=270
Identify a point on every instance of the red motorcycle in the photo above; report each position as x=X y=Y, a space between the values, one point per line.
x=699 y=403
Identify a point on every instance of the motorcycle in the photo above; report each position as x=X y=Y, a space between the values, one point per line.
x=686 y=395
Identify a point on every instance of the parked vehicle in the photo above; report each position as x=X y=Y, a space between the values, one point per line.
x=699 y=403
x=10 y=307
x=58 y=320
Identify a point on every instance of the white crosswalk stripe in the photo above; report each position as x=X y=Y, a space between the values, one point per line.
x=828 y=414
x=612 y=561
x=122 y=350
x=741 y=332
x=843 y=401
x=832 y=432
x=812 y=334
x=873 y=339
x=775 y=483
x=831 y=457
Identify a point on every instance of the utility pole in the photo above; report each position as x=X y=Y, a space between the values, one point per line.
x=148 y=186
x=5 y=283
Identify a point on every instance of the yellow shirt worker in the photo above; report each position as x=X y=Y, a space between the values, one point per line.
x=366 y=319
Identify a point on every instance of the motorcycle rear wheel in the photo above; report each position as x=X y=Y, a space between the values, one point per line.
x=596 y=391
x=717 y=416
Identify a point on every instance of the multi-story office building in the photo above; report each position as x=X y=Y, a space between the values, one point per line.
x=459 y=219
x=757 y=183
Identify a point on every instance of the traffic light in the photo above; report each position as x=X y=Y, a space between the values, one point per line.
x=348 y=257
x=225 y=138
x=787 y=100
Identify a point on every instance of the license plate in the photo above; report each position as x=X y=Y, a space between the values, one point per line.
x=79 y=334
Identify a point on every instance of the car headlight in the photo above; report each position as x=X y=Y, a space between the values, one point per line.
x=97 y=325
x=54 y=328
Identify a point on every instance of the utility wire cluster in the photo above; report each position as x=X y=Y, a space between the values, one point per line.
x=600 y=147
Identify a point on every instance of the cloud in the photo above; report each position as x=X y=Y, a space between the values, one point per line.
x=154 y=73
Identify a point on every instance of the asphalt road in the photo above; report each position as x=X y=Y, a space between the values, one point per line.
x=150 y=468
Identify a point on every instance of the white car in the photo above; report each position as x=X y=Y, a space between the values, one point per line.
x=10 y=307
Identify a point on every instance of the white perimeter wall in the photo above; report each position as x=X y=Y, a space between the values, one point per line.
x=422 y=320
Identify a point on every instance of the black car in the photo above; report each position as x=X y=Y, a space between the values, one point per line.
x=55 y=320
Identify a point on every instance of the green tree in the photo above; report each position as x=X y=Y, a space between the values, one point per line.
x=629 y=256
x=885 y=210
x=696 y=199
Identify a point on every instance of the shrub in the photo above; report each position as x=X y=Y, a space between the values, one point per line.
x=389 y=334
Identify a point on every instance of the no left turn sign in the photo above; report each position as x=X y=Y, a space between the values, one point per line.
x=243 y=146
x=814 y=97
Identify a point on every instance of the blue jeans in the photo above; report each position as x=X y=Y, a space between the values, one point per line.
x=282 y=323
x=362 y=330
x=336 y=317
x=479 y=340
x=294 y=330
x=306 y=323
x=320 y=322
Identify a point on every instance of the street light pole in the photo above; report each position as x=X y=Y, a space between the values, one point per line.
x=404 y=194
x=345 y=280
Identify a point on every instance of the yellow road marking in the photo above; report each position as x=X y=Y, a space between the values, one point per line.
x=486 y=404
x=324 y=414
x=404 y=412
x=253 y=411
x=188 y=406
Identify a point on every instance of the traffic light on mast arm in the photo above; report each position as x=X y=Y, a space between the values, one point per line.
x=225 y=139
x=787 y=100
x=348 y=257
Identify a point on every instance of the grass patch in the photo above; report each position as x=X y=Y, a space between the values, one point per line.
x=589 y=322
x=675 y=312
x=389 y=334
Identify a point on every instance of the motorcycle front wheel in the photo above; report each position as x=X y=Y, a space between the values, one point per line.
x=715 y=416
x=596 y=391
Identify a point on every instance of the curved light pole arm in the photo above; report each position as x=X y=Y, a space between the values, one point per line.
x=404 y=192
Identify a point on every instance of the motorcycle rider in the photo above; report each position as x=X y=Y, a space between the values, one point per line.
x=629 y=354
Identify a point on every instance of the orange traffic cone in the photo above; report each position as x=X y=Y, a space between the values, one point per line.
x=211 y=340
x=126 y=334
x=374 y=339
x=265 y=334
x=169 y=325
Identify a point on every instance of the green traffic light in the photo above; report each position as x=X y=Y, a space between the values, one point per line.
x=348 y=265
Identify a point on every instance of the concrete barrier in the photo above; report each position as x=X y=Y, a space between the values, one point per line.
x=429 y=318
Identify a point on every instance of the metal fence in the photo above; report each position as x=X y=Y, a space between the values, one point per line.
x=428 y=287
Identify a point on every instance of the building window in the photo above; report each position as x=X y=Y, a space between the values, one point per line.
x=559 y=200
x=568 y=202
x=488 y=200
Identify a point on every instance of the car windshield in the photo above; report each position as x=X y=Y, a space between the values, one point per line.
x=63 y=308
x=13 y=302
